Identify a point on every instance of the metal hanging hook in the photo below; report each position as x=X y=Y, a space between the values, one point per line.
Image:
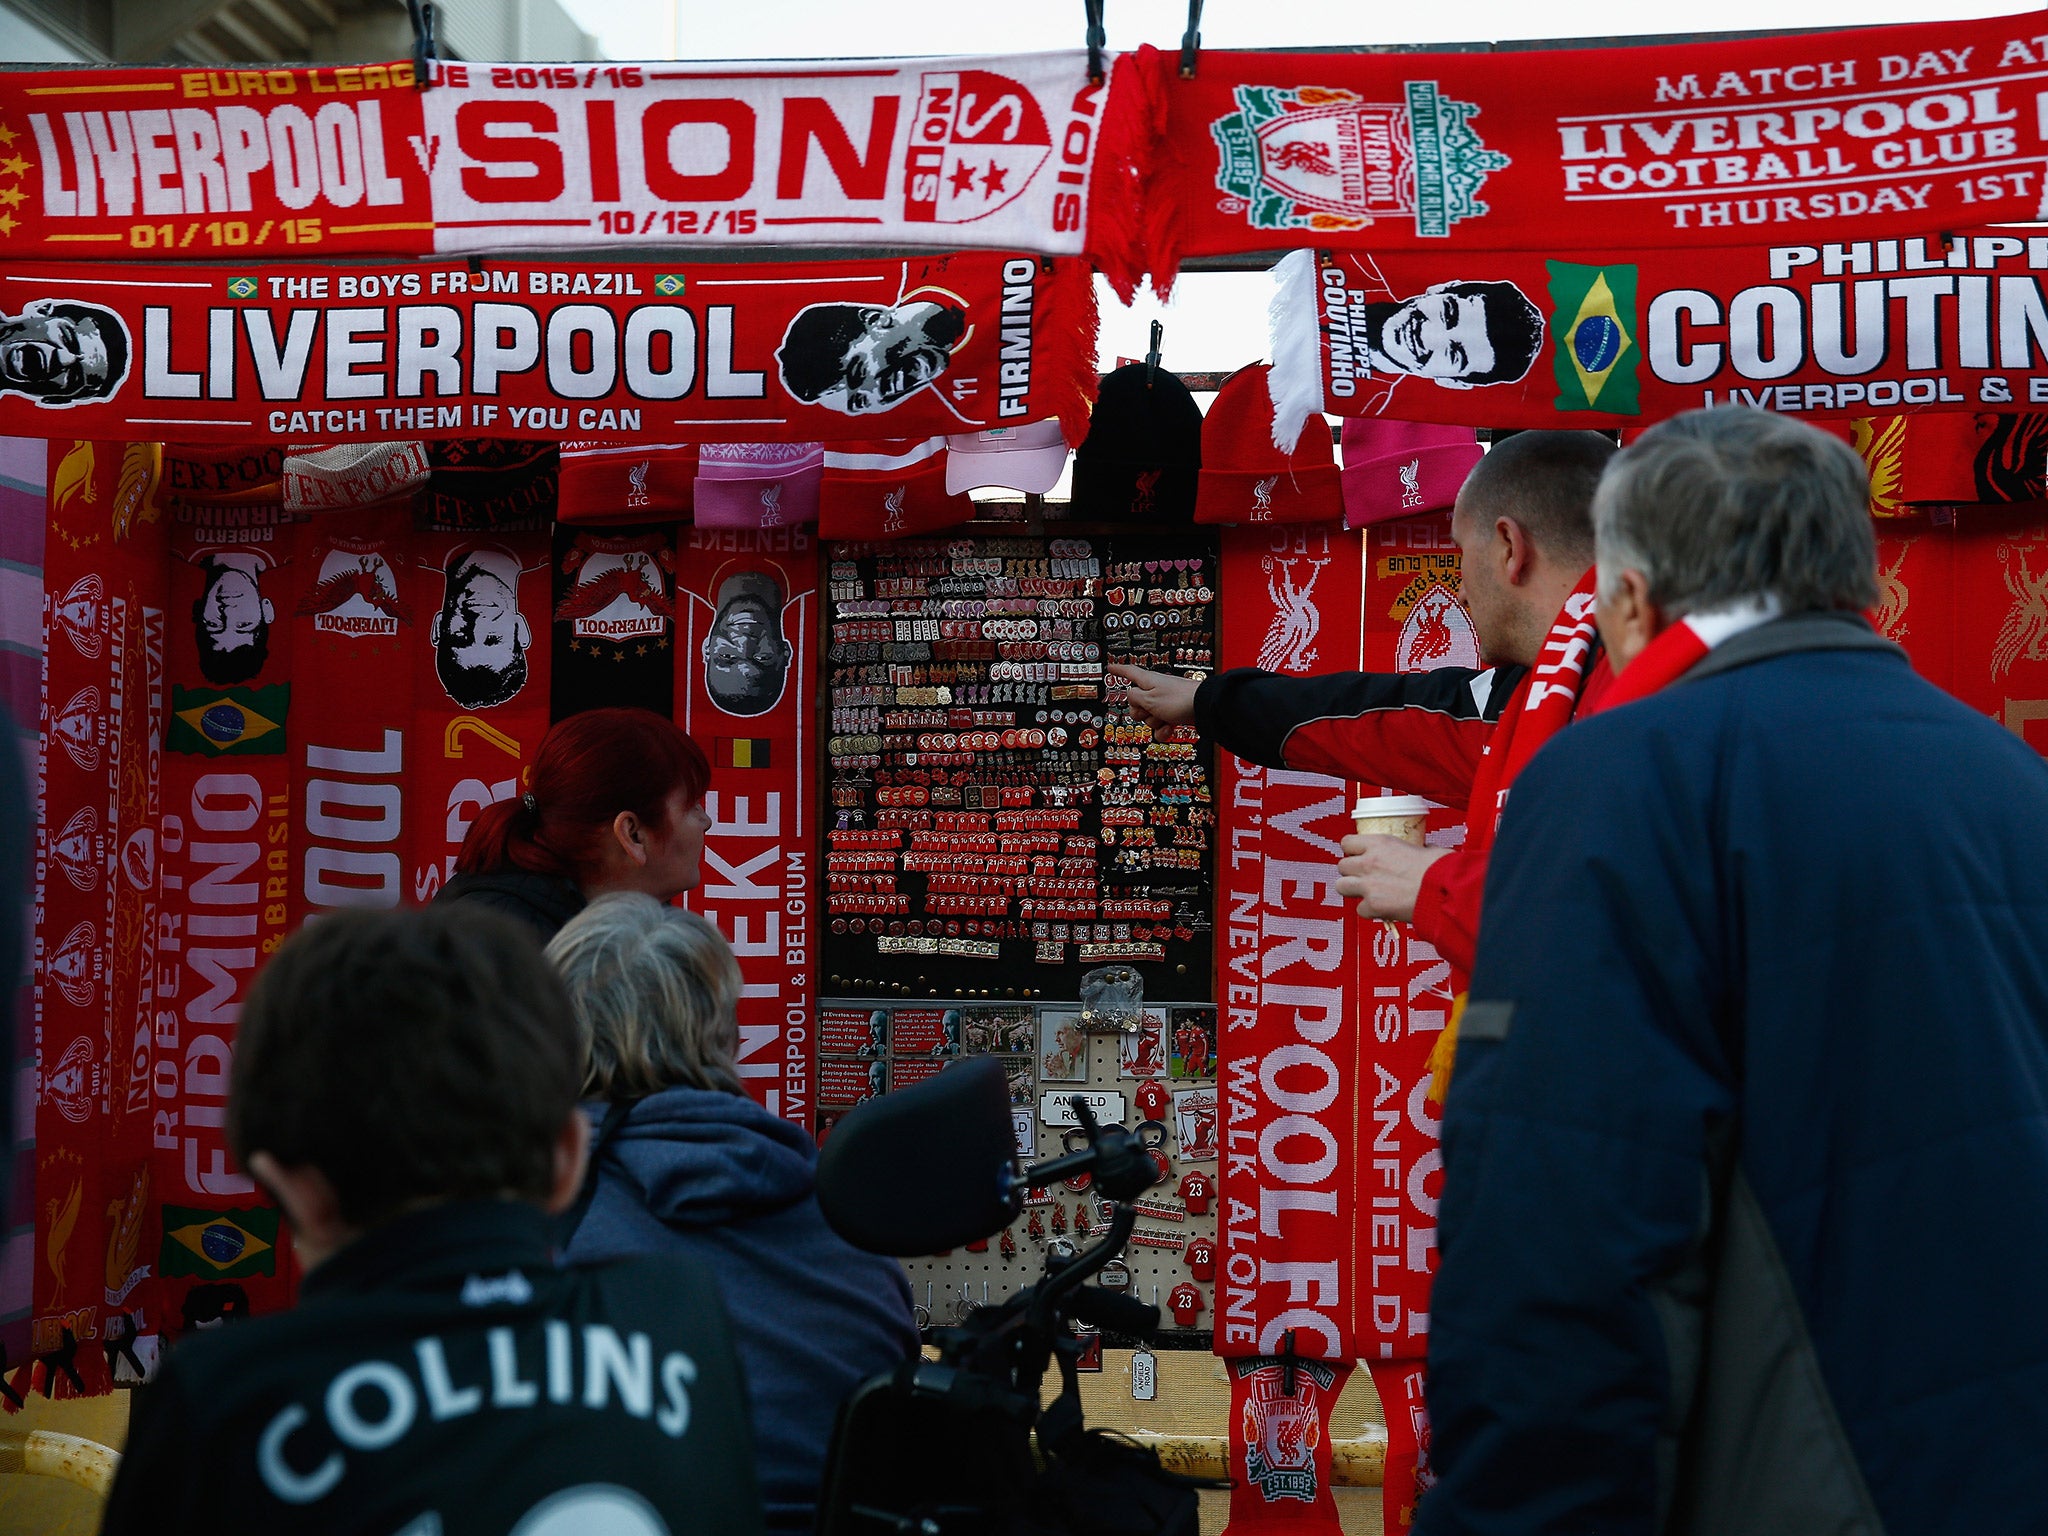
x=1152 y=355
x=1191 y=40
x=421 y=14
x=1098 y=39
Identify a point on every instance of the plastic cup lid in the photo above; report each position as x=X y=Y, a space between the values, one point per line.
x=1391 y=805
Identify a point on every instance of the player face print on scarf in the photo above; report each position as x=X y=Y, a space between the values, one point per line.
x=746 y=657
x=865 y=358
x=57 y=353
x=232 y=618
x=480 y=638
x=1457 y=334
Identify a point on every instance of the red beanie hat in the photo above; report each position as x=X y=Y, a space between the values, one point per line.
x=605 y=482
x=890 y=489
x=1245 y=479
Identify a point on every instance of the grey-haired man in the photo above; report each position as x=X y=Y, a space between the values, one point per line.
x=1745 y=1199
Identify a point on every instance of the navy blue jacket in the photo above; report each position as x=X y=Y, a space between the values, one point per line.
x=716 y=1177
x=1744 y=1221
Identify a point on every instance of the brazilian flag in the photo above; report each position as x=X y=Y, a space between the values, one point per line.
x=219 y=1245
x=1593 y=317
x=215 y=722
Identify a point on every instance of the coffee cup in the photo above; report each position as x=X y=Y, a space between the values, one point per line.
x=1402 y=816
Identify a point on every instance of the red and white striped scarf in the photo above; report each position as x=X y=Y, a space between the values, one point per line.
x=1547 y=706
x=1681 y=647
x=1550 y=700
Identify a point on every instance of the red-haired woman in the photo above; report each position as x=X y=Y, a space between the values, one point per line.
x=616 y=803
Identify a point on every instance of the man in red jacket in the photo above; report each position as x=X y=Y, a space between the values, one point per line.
x=1524 y=528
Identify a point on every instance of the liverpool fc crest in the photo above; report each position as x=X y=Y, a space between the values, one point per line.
x=1283 y=1428
x=1318 y=158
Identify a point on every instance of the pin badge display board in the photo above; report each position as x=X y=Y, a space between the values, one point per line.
x=1167 y=1072
x=998 y=823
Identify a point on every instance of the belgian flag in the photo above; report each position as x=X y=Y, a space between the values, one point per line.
x=1593 y=317
x=219 y=1245
x=742 y=752
x=217 y=722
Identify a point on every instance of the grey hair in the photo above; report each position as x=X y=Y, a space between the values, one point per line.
x=1716 y=506
x=657 y=994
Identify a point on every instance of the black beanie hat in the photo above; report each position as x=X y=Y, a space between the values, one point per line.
x=1143 y=451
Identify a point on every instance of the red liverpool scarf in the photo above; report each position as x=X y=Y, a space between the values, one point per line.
x=1281 y=1447
x=1680 y=648
x=1607 y=149
x=919 y=346
x=1548 y=701
x=1006 y=151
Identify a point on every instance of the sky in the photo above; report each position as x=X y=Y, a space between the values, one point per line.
x=1217 y=321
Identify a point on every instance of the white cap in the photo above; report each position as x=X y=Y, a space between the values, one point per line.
x=1028 y=458
x=1392 y=805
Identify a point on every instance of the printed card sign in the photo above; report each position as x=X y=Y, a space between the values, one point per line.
x=1063 y=1047
x=907 y=1072
x=926 y=1031
x=853 y=1031
x=1056 y=1107
x=851 y=1082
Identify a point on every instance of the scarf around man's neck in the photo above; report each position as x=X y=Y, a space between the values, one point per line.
x=1680 y=648
x=1549 y=702
x=1547 y=706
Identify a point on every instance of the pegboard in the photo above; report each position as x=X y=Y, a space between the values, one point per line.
x=995 y=809
x=1177 y=1056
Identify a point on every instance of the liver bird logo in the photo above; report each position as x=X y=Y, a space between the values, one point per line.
x=1411 y=483
x=1290 y=642
x=135 y=492
x=635 y=579
x=73 y=480
x=1262 y=498
x=124 y=1238
x=1436 y=633
x=1892 y=596
x=2024 y=634
x=368 y=577
x=1303 y=155
x=1144 y=489
x=61 y=1214
x=1881 y=440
